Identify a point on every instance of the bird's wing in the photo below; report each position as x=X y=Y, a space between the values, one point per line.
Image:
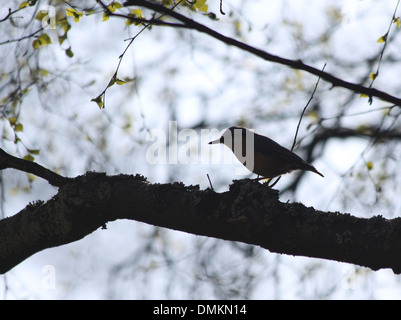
x=267 y=146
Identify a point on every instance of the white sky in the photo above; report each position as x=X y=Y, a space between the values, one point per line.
x=82 y=268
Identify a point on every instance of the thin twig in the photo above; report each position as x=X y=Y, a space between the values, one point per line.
x=146 y=23
x=221 y=8
x=299 y=122
x=384 y=45
x=303 y=111
x=10 y=13
x=210 y=182
x=22 y=38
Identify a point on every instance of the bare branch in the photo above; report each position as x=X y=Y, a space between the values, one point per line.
x=384 y=45
x=295 y=64
x=9 y=161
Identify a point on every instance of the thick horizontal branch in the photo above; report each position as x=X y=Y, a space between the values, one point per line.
x=296 y=64
x=249 y=212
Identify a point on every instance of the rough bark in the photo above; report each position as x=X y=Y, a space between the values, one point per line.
x=249 y=212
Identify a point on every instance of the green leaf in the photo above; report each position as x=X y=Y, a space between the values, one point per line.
x=34 y=151
x=42 y=40
x=382 y=39
x=61 y=39
x=36 y=44
x=113 y=6
x=70 y=12
x=12 y=120
x=18 y=127
x=105 y=16
x=204 y=8
x=135 y=13
x=23 y=5
x=44 y=37
x=99 y=101
x=74 y=13
x=65 y=25
x=29 y=157
x=397 y=21
x=41 y=15
x=373 y=76
x=69 y=52
x=112 y=82
x=199 y=3
x=120 y=82
x=369 y=165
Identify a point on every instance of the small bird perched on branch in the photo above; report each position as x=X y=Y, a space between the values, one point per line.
x=261 y=155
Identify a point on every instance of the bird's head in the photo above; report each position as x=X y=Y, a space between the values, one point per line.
x=229 y=135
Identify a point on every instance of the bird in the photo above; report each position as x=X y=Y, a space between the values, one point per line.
x=264 y=157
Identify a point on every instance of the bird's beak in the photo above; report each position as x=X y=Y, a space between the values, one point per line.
x=217 y=141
